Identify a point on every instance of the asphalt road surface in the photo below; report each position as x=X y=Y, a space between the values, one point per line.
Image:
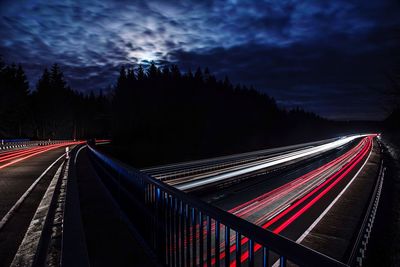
x=25 y=175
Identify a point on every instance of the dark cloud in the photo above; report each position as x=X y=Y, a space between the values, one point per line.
x=326 y=56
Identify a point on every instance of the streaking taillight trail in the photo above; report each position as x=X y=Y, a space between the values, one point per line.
x=18 y=156
x=338 y=175
x=295 y=210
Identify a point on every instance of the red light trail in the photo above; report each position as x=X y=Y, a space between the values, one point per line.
x=367 y=145
x=342 y=166
x=16 y=156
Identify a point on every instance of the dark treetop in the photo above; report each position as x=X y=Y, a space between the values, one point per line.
x=157 y=115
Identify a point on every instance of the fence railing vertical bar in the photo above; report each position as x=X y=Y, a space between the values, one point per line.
x=182 y=234
x=209 y=232
x=155 y=217
x=176 y=222
x=250 y=249
x=187 y=222
x=158 y=234
x=163 y=224
x=238 y=249
x=173 y=224
x=227 y=246
x=282 y=261
x=172 y=230
x=265 y=257
x=201 y=238
x=194 y=237
x=167 y=231
x=217 y=243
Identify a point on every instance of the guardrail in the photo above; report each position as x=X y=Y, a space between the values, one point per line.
x=13 y=144
x=184 y=231
x=358 y=252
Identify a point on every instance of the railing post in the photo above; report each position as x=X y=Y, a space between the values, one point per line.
x=176 y=222
x=209 y=241
x=157 y=220
x=194 y=237
x=201 y=239
x=265 y=256
x=227 y=246
x=251 y=252
x=238 y=250
x=167 y=230
x=282 y=261
x=217 y=243
x=182 y=224
x=172 y=225
x=162 y=224
x=187 y=222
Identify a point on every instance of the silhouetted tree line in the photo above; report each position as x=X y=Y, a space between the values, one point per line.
x=52 y=111
x=177 y=116
x=155 y=115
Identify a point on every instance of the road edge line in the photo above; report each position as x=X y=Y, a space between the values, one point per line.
x=309 y=229
x=14 y=208
x=30 y=245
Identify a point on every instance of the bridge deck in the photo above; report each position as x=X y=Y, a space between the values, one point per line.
x=108 y=240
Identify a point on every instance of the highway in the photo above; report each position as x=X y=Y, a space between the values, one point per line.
x=286 y=191
x=199 y=174
x=295 y=191
x=172 y=171
x=25 y=175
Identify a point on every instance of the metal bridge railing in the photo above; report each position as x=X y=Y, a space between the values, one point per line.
x=185 y=231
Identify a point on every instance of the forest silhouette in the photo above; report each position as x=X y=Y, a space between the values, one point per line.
x=156 y=114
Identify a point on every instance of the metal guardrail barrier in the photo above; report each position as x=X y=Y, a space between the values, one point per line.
x=358 y=252
x=6 y=144
x=185 y=231
x=2 y=141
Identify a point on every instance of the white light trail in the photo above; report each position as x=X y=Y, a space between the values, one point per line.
x=289 y=157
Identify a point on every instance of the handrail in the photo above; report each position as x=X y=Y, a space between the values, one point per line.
x=171 y=209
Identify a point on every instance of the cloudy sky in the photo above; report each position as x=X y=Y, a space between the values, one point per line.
x=330 y=57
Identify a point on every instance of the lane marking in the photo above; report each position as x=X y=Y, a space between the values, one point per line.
x=355 y=149
x=31 y=243
x=28 y=156
x=301 y=238
x=300 y=180
x=363 y=151
x=335 y=179
x=46 y=148
x=17 y=153
x=355 y=161
x=306 y=152
x=238 y=156
x=11 y=212
x=277 y=212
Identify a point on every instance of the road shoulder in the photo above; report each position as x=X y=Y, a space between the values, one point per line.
x=336 y=231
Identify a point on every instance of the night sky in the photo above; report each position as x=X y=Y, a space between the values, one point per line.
x=330 y=57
